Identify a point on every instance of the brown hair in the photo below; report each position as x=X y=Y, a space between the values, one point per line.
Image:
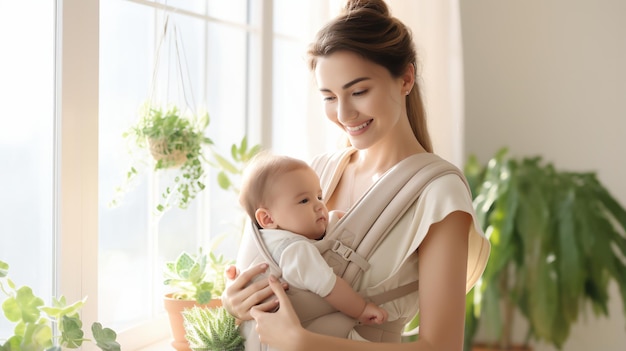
x=366 y=28
x=259 y=174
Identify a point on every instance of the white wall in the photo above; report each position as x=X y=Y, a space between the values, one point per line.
x=549 y=78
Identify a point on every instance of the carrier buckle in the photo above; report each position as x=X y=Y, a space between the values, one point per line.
x=342 y=250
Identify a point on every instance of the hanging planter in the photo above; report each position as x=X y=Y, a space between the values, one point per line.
x=172 y=138
x=169 y=138
x=177 y=143
x=160 y=151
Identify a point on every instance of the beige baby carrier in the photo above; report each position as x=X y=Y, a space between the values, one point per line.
x=348 y=245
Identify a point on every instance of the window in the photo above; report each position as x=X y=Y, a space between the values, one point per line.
x=214 y=41
x=26 y=144
x=77 y=86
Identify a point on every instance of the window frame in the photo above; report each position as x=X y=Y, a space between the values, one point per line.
x=75 y=180
x=76 y=157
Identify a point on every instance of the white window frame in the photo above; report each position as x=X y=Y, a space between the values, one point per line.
x=76 y=152
x=76 y=158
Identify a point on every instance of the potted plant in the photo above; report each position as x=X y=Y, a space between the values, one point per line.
x=34 y=321
x=197 y=280
x=212 y=329
x=557 y=240
x=169 y=139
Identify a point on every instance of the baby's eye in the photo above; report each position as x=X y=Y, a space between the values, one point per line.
x=320 y=198
x=304 y=201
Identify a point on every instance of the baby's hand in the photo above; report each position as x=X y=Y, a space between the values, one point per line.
x=373 y=314
x=337 y=213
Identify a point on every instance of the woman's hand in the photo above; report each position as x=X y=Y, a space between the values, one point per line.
x=279 y=329
x=241 y=295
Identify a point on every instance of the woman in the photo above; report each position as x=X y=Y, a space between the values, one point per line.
x=365 y=68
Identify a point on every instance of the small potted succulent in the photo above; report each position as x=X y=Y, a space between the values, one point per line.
x=212 y=329
x=197 y=280
x=34 y=321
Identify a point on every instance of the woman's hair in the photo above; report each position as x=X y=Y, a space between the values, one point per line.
x=259 y=175
x=366 y=28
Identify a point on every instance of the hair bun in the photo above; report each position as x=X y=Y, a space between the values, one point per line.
x=376 y=5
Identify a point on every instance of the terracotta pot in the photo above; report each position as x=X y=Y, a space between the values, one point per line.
x=485 y=347
x=174 y=308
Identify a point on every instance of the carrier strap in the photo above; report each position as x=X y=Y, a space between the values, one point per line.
x=360 y=231
x=349 y=245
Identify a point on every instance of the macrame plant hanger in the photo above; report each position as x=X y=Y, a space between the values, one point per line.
x=177 y=55
x=177 y=62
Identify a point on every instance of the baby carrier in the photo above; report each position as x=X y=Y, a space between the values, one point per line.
x=347 y=246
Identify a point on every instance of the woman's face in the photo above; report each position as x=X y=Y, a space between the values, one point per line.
x=362 y=98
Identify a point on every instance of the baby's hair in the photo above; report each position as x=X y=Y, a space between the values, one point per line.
x=259 y=175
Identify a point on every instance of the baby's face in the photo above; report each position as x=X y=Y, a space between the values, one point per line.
x=297 y=204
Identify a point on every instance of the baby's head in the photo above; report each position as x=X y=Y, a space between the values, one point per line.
x=281 y=192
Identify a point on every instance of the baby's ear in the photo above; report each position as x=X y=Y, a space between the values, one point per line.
x=264 y=218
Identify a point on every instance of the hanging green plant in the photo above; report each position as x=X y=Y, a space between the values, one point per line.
x=557 y=238
x=176 y=142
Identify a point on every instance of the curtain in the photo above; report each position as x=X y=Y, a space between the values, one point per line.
x=436 y=28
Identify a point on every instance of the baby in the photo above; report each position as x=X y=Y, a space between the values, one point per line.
x=283 y=197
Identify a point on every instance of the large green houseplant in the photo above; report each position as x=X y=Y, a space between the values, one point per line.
x=557 y=240
x=34 y=321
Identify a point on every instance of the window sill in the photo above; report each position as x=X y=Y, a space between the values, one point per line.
x=161 y=345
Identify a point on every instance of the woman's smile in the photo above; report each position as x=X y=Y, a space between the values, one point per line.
x=355 y=130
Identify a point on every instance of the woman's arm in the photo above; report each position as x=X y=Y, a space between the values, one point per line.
x=442 y=272
x=241 y=295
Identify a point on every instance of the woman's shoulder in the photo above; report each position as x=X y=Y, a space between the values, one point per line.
x=331 y=159
x=442 y=196
x=449 y=185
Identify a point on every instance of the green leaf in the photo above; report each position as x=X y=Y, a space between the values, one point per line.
x=23 y=307
x=569 y=258
x=225 y=164
x=60 y=307
x=203 y=296
x=543 y=305
x=72 y=335
x=37 y=336
x=223 y=181
x=12 y=344
x=4 y=269
x=105 y=338
x=184 y=264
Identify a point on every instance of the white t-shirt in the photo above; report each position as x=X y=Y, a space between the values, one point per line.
x=302 y=265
